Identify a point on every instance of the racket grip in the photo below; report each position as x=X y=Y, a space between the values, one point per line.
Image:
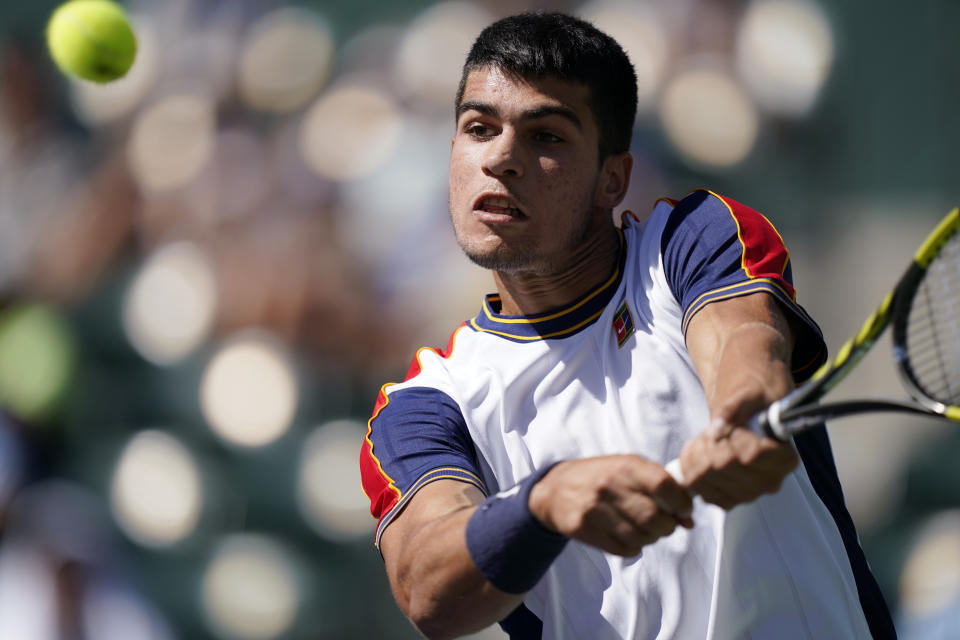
x=673 y=468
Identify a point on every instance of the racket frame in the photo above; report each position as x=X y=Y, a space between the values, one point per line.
x=798 y=410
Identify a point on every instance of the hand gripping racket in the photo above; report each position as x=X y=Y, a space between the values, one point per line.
x=924 y=309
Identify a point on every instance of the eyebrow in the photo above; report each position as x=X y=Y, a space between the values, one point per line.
x=530 y=114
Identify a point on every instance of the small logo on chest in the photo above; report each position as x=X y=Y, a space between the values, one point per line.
x=623 y=326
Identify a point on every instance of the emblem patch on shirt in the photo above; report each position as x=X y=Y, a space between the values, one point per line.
x=623 y=324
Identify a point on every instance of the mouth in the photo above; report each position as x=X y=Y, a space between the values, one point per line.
x=497 y=209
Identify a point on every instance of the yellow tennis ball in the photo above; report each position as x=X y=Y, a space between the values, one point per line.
x=91 y=39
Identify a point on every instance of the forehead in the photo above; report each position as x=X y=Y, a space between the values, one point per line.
x=492 y=86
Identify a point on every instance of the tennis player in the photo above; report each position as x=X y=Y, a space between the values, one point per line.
x=518 y=475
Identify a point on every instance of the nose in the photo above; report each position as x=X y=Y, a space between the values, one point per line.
x=502 y=155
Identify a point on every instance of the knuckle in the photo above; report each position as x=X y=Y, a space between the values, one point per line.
x=603 y=493
x=609 y=478
x=749 y=453
x=620 y=464
x=721 y=455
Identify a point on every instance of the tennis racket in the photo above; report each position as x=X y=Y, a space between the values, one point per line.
x=924 y=309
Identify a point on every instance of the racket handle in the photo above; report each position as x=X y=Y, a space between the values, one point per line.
x=673 y=468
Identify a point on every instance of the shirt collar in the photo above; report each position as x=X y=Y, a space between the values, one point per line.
x=559 y=323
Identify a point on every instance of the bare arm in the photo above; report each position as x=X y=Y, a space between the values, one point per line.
x=741 y=349
x=616 y=503
x=433 y=578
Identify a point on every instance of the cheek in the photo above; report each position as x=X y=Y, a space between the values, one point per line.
x=564 y=186
x=457 y=182
x=461 y=168
x=552 y=177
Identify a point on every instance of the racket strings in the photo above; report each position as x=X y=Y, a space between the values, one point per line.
x=933 y=327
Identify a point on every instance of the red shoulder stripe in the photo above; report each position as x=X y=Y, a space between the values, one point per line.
x=377 y=484
x=764 y=253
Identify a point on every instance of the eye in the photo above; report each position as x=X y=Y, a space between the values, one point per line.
x=478 y=130
x=547 y=136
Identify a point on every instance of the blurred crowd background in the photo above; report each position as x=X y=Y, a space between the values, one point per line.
x=208 y=268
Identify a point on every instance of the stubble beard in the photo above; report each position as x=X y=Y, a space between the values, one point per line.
x=506 y=260
x=522 y=257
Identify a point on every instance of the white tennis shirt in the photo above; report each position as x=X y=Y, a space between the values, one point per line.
x=608 y=374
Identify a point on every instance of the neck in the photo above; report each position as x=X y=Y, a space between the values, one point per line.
x=589 y=266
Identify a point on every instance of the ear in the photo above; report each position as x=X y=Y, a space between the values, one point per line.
x=614 y=180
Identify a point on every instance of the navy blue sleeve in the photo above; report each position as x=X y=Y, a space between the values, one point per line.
x=715 y=248
x=416 y=435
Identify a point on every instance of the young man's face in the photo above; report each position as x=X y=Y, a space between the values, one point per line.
x=524 y=170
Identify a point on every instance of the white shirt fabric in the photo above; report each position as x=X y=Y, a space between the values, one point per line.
x=587 y=381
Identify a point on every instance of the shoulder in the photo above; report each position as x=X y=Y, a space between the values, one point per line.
x=417 y=435
x=699 y=216
x=705 y=216
x=706 y=233
x=431 y=366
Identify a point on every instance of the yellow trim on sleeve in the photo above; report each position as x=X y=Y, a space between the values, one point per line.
x=743 y=253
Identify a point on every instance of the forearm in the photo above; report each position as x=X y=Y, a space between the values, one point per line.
x=742 y=351
x=458 y=562
x=751 y=371
x=438 y=586
x=433 y=572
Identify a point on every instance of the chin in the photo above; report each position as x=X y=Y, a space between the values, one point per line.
x=491 y=251
x=504 y=260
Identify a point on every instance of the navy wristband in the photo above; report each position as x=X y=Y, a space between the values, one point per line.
x=509 y=546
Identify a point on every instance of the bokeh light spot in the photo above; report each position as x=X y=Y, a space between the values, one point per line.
x=328 y=482
x=249 y=393
x=36 y=360
x=641 y=32
x=249 y=589
x=350 y=132
x=171 y=142
x=287 y=59
x=156 y=493
x=930 y=580
x=169 y=309
x=708 y=117
x=431 y=55
x=785 y=51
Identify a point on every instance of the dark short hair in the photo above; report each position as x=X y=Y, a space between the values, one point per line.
x=541 y=45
